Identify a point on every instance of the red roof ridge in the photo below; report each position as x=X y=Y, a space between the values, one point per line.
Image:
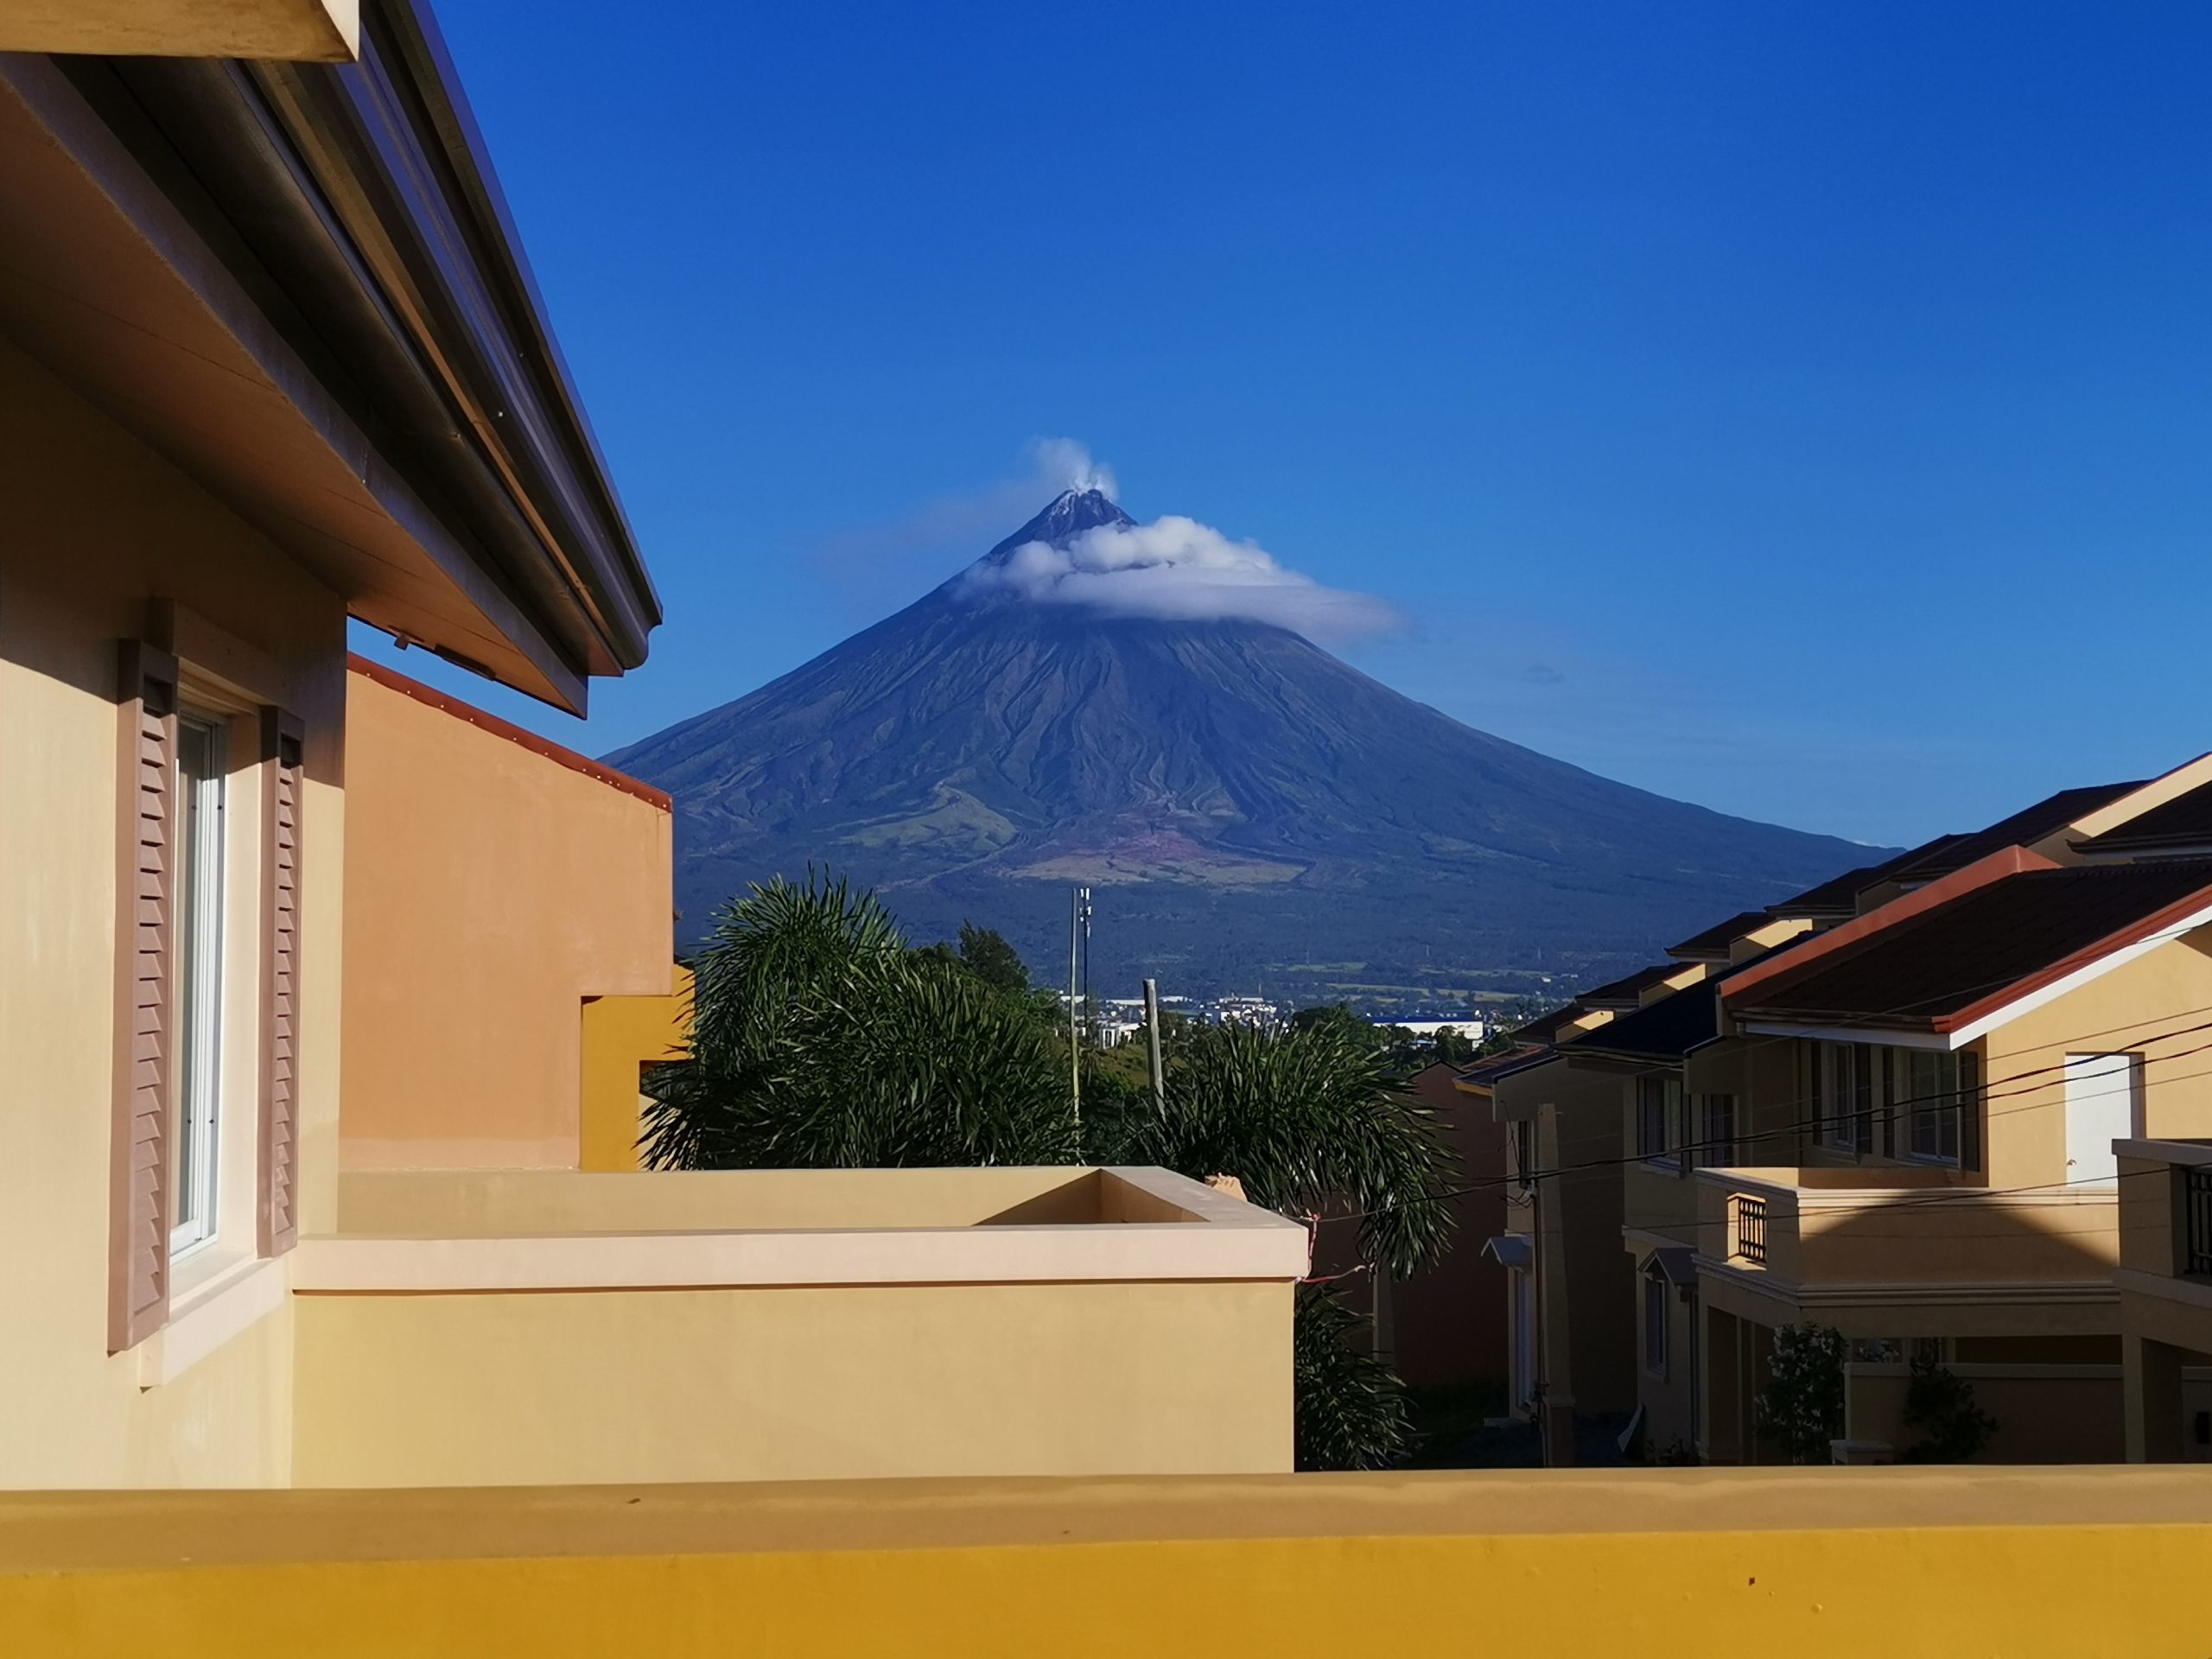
x=468 y=713
x=1992 y=867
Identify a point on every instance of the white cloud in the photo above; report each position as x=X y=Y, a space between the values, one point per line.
x=1179 y=570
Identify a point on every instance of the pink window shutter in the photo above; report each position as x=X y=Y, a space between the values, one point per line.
x=145 y=1059
x=282 y=739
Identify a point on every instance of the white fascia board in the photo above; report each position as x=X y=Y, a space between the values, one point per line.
x=1927 y=1039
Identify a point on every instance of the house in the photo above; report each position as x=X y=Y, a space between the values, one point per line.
x=314 y=979
x=1636 y=1090
x=1443 y=1328
x=1813 y=1138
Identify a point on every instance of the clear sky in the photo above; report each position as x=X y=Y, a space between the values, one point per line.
x=1803 y=410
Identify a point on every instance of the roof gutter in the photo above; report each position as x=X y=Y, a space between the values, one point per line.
x=405 y=172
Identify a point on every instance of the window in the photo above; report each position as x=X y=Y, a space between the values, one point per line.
x=1841 y=1084
x=1930 y=1086
x=1524 y=1153
x=1655 y=1322
x=1659 y=1119
x=1717 y=1131
x=199 y=980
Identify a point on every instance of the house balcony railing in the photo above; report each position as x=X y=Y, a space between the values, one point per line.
x=2196 y=1222
x=1751 y=1230
x=1842 y=1236
x=2165 y=1212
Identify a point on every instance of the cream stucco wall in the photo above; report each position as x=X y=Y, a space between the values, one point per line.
x=489 y=890
x=99 y=529
x=2148 y=1006
x=767 y=1383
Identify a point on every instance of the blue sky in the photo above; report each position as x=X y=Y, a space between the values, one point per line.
x=1807 y=411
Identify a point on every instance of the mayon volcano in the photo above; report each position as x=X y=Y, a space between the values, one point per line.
x=1134 y=707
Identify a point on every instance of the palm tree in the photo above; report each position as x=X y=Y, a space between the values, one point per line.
x=819 y=1039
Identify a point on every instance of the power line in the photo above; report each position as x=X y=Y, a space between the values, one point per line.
x=1796 y=1127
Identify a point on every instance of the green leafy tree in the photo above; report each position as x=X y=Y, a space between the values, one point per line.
x=991 y=959
x=1940 y=1403
x=1802 y=1405
x=1308 y=1120
x=1353 y=1412
x=1333 y=1016
x=819 y=1039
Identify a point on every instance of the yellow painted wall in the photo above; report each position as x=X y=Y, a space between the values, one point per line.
x=489 y=890
x=1806 y=1563
x=2132 y=1009
x=97 y=528
x=621 y=1036
x=793 y=1382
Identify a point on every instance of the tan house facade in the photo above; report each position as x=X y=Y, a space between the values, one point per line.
x=1800 y=1133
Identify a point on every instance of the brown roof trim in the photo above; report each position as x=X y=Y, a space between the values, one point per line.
x=392 y=680
x=2009 y=860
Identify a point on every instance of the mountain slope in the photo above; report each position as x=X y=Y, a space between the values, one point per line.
x=1245 y=803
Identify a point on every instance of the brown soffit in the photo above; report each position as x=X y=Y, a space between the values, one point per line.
x=394 y=681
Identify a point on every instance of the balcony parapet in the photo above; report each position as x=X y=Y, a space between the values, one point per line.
x=1815 y=1245
x=528 y=1327
x=527 y=1231
x=1981 y=1561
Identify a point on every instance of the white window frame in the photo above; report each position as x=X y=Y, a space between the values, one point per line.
x=1669 y=1154
x=202 y=935
x=1918 y=1110
x=1836 y=1088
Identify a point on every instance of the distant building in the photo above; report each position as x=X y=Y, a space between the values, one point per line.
x=1245 y=1011
x=1474 y=1028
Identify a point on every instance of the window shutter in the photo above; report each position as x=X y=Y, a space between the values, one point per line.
x=1969 y=1109
x=282 y=737
x=1862 y=1105
x=145 y=1060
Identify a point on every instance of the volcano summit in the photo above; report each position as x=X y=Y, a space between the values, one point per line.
x=1140 y=708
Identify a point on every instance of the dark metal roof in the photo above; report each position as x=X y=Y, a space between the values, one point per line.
x=2023 y=828
x=1545 y=1028
x=1666 y=1030
x=1982 y=949
x=2185 y=821
x=1628 y=992
x=1713 y=943
x=1517 y=1059
x=1839 y=895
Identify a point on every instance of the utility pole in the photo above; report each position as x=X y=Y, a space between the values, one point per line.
x=1074 y=1043
x=1152 y=1030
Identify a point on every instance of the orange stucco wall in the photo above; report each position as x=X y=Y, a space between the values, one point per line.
x=490 y=888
